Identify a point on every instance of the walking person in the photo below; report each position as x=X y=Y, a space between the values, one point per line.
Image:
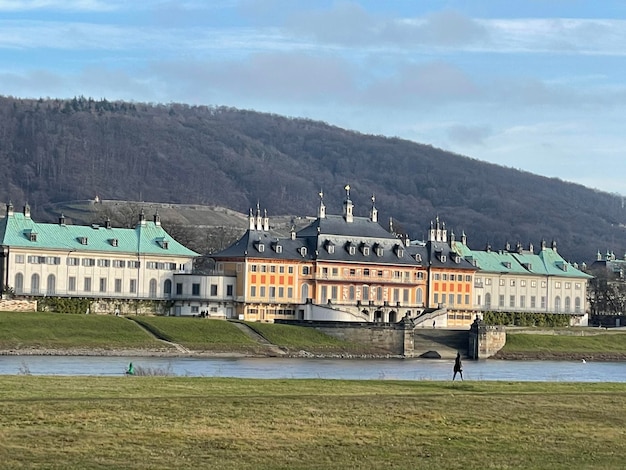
x=458 y=366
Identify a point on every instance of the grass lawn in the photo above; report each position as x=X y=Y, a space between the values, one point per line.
x=583 y=342
x=62 y=331
x=180 y=422
x=199 y=334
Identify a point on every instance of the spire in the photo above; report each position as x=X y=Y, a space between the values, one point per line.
x=27 y=210
x=321 y=212
x=391 y=225
x=259 y=220
x=251 y=220
x=142 y=217
x=157 y=218
x=266 y=221
x=348 y=206
x=374 y=211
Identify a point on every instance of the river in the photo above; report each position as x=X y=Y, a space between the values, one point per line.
x=291 y=368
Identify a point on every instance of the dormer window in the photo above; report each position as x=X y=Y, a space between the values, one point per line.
x=278 y=248
x=82 y=240
x=303 y=251
x=351 y=249
x=399 y=251
x=330 y=247
x=379 y=250
x=260 y=247
x=113 y=241
x=32 y=237
x=163 y=243
x=457 y=259
x=507 y=264
x=366 y=251
x=418 y=258
x=443 y=258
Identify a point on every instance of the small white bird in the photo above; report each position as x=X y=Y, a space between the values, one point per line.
x=584 y=362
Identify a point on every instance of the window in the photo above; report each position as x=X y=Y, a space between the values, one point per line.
x=443 y=258
x=51 y=285
x=444 y=277
x=134 y=264
x=323 y=294
x=544 y=284
x=459 y=299
x=352 y=272
x=453 y=277
x=263 y=268
x=487 y=300
x=213 y=289
x=557 y=304
x=512 y=301
x=577 y=286
x=533 y=301
x=229 y=289
x=167 y=287
x=365 y=293
x=557 y=285
x=281 y=292
x=252 y=291
x=522 y=301
x=436 y=276
x=152 y=288
x=451 y=299
x=512 y=282
x=303 y=251
x=262 y=292
x=34 y=284
x=305 y=270
x=253 y=268
x=179 y=288
x=352 y=249
x=289 y=292
x=501 y=301
x=488 y=282
x=118 y=286
x=420 y=276
x=468 y=278
x=543 y=302
x=290 y=270
x=195 y=289
x=405 y=295
x=272 y=291
x=467 y=299
x=396 y=295
x=19 y=259
x=522 y=283
x=501 y=282
x=333 y=292
x=133 y=286
x=436 y=298
x=104 y=263
x=533 y=283
x=151 y=265
x=103 y=284
x=568 y=285
x=119 y=263
x=335 y=272
x=88 y=262
x=87 y=284
x=366 y=251
x=272 y=268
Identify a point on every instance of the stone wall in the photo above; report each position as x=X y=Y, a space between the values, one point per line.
x=388 y=337
x=484 y=340
x=18 y=305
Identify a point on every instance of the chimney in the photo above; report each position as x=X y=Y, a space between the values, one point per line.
x=9 y=209
x=62 y=219
x=27 y=211
x=157 y=218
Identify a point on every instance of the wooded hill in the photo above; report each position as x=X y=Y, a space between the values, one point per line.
x=63 y=150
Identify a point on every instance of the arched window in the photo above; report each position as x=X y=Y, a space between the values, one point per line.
x=153 y=288
x=419 y=296
x=19 y=283
x=568 y=305
x=487 y=300
x=365 y=293
x=305 y=292
x=557 y=304
x=51 y=285
x=34 y=284
x=577 y=304
x=167 y=287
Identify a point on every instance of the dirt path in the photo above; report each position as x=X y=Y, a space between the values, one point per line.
x=272 y=349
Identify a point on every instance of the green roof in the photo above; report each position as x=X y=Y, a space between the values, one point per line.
x=547 y=262
x=149 y=238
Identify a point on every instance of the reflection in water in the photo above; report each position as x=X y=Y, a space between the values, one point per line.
x=359 y=369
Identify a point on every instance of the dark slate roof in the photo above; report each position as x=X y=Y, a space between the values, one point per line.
x=433 y=252
x=260 y=244
x=360 y=227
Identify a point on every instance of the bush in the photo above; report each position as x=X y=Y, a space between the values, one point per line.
x=551 y=320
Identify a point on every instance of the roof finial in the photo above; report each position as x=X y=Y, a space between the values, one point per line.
x=347 y=188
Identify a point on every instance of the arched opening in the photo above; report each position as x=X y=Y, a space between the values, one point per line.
x=419 y=296
x=568 y=305
x=378 y=316
x=152 y=288
x=305 y=293
x=51 y=285
x=393 y=316
x=487 y=300
x=557 y=304
x=577 y=304
x=34 y=284
x=167 y=287
x=365 y=293
x=19 y=283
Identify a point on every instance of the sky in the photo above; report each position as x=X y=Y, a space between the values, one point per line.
x=537 y=85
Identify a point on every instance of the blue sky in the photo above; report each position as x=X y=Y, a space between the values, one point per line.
x=534 y=85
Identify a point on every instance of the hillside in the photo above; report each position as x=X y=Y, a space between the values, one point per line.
x=55 y=150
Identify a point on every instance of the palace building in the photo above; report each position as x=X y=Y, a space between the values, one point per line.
x=98 y=261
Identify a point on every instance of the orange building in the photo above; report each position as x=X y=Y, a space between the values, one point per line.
x=343 y=268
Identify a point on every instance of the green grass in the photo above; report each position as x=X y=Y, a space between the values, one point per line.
x=51 y=330
x=179 y=422
x=198 y=333
x=606 y=342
